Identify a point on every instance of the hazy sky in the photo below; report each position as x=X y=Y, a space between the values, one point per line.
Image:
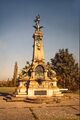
x=60 y=19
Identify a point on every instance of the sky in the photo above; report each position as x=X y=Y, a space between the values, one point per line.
x=60 y=19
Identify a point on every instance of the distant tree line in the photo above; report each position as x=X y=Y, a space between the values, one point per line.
x=6 y=83
x=13 y=81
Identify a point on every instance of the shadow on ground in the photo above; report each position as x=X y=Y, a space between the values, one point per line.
x=5 y=94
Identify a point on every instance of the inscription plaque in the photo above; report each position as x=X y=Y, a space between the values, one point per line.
x=41 y=92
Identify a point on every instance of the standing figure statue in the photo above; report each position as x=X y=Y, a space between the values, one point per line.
x=37 y=21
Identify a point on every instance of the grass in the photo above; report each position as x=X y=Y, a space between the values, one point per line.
x=8 y=90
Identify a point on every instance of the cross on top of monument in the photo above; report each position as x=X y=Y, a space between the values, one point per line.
x=37 y=23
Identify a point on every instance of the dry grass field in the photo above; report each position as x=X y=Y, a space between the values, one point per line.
x=6 y=90
x=66 y=109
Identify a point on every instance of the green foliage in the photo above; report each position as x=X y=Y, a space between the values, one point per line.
x=67 y=69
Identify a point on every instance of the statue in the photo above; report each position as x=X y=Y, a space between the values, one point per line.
x=37 y=21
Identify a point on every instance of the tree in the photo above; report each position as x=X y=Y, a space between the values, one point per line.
x=15 y=74
x=67 y=69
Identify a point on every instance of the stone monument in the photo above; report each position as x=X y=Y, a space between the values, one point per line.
x=37 y=78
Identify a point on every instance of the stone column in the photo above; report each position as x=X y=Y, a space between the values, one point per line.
x=55 y=82
x=33 y=75
x=45 y=74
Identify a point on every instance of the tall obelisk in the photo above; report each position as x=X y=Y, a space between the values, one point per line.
x=38 y=52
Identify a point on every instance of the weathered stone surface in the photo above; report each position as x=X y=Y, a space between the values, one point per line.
x=66 y=109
